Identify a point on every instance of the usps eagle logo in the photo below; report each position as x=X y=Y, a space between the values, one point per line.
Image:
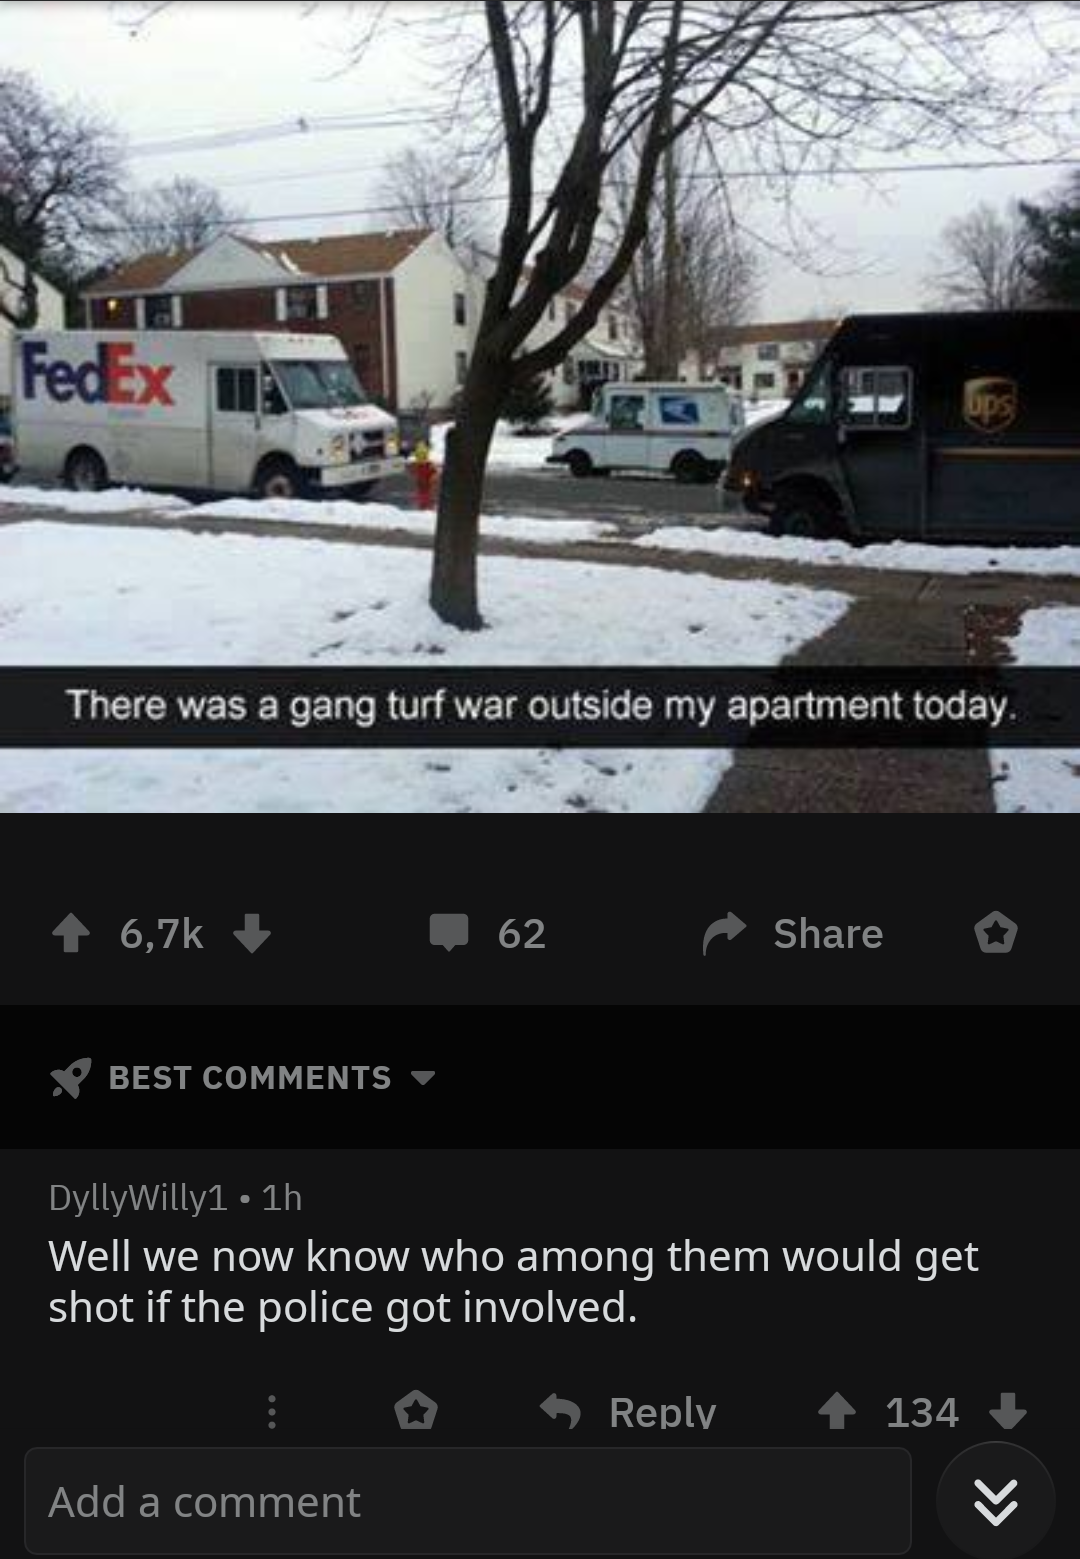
x=991 y=405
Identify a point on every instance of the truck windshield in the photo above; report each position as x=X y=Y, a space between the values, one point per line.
x=320 y=386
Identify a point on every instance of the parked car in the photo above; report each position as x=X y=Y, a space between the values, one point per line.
x=277 y=415
x=7 y=449
x=952 y=428
x=680 y=430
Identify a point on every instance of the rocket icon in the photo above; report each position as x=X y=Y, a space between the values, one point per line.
x=71 y=1079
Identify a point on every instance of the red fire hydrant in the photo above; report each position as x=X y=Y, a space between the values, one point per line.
x=425 y=478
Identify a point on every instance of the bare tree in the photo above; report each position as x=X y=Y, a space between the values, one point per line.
x=60 y=171
x=694 y=276
x=789 y=83
x=437 y=192
x=984 y=262
x=172 y=218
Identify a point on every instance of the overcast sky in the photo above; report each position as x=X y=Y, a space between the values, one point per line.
x=208 y=66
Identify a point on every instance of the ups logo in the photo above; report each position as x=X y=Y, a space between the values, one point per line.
x=991 y=405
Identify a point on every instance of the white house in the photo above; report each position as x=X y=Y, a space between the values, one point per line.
x=772 y=362
x=52 y=317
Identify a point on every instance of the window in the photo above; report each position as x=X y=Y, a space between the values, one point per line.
x=770 y=353
x=553 y=312
x=613 y=327
x=763 y=383
x=815 y=409
x=878 y=398
x=461 y=309
x=462 y=369
x=628 y=413
x=365 y=296
x=237 y=391
x=301 y=304
x=159 y=313
x=321 y=386
x=273 y=400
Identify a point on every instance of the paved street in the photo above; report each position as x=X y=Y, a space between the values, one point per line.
x=634 y=504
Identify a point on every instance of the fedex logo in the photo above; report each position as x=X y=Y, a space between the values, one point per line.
x=111 y=378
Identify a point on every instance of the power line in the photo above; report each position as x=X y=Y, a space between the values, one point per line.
x=892 y=170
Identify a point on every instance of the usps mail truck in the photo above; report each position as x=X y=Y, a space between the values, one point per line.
x=680 y=430
x=274 y=414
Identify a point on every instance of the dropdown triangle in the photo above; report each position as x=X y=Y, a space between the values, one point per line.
x=423 y=1078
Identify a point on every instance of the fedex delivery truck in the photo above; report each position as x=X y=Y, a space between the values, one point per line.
x=277 y=415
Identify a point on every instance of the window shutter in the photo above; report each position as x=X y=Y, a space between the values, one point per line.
x=323 y=294
x=282 y=306
x=178 y=313
x=140 y=313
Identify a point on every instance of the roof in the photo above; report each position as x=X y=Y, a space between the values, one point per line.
x=356 y=254
x=797 y=330
x=372 y=254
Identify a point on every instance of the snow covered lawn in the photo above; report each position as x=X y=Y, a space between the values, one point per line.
x=387 y=517
x=105 y=597
x=900 y=556
x=509 y=452
x=1042 y=781
x=118 y=500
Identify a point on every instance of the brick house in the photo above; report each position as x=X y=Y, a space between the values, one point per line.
x=773 y=362
x=400 y=303
x=405 y=306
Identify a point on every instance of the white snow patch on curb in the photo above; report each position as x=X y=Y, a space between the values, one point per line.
x=900 y=556
x=1042 y=781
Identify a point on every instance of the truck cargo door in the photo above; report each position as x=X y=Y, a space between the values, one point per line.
x=880 y=453
x=234 y=428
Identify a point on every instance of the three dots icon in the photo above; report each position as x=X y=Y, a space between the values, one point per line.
x=273 y=1414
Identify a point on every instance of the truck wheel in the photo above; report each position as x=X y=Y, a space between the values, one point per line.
x=580 y=464
x=808 y=515
x=363 y=492
x=691 y=469
x=280 y=478
x=85 y=472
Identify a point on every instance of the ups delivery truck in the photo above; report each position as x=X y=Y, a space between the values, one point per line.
x=274 y=414
x=929 y=427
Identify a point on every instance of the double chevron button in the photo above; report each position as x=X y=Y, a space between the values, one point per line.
x=996 y=1501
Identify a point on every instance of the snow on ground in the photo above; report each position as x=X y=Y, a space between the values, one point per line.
x=99 y=597
x=385 y=517
x=509 y=451
x=1042 y=781
x=118 y=500
x=900 y=556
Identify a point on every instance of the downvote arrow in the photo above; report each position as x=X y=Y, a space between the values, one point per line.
x=1008 y=1414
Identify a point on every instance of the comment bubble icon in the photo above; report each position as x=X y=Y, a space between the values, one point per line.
x=449 y=931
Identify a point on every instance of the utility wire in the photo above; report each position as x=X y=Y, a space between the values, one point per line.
x=892 y=170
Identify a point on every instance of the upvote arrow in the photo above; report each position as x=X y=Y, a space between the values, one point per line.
x=1008 y=1414
x=72 y=931
x=836 y=1410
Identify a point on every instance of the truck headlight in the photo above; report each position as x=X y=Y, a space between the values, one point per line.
x=393 y=445
x=339 y=447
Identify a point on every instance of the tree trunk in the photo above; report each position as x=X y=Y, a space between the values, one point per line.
x=455 y=594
